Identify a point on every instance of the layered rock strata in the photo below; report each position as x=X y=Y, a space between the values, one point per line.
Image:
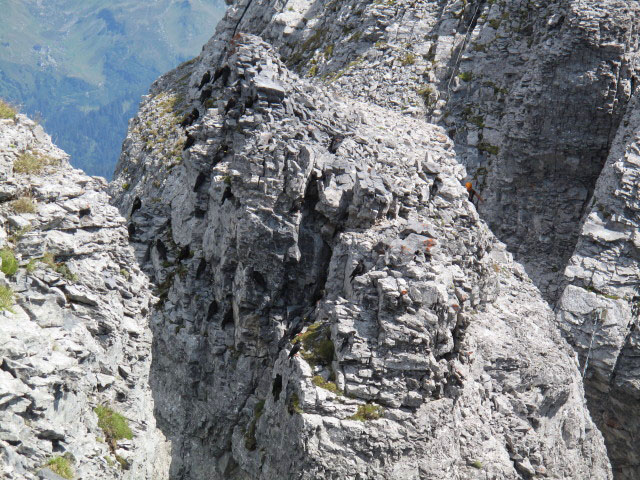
x=264 y=205
x=600 y=305
x=73 y=332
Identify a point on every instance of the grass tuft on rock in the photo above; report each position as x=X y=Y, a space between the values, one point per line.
x=59 y=267
x=319 y=381
x=6 y=299
x=7 y=111
x=317 y=346
x=368 y=412
x=293 y=405
x=9 y=262
x=113 y=424
x=61 y=466
x=24 y=205
x=32 y=163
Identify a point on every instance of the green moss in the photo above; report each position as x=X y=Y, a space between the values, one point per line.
x=6 y=110
x=31 y=163
x=487 y=147
x=6 y=299
x=368 y=412
x=61 y=466
x=477 y=120
x=317 y=347
x=319 y=381
x=9 y=262
x=109 y=460
x=495 y=23
x=125 y=186
x=476 y=464
x=125 y=273
x=124 y=464
x=113 y=424
x=293 y=405
x=250 y=442
x=465 y=76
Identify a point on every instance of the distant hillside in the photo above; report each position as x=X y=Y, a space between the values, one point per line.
x=82 y=67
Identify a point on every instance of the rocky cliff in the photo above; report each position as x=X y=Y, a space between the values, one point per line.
x=327 y=302
x=73 y=331
x=276 y=216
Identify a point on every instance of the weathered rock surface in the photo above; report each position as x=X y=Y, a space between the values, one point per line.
x=282 y=206
x=601 y=302
x=78 y=322
x=531 y=92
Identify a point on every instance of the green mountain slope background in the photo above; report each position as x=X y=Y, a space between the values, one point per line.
x=80 y=66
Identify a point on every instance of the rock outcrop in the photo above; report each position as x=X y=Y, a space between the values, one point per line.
x=263 y=206
x=73 y=332
x=600 y=305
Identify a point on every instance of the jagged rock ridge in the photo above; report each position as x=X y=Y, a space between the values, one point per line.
x=74 y=334
x=293 y=208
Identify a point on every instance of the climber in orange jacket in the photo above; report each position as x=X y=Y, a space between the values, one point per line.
x=473 y=193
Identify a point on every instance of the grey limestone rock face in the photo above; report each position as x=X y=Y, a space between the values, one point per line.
x=278 y=207
x=531 y=93
x=74 y=322
x=599 y=307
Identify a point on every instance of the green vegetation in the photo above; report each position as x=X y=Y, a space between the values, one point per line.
x=487 y=147
x=317 y=347
x=113 y=424
x=59 y=267
x=250 y=441
x=125 y=273
x=408 y=59
x=428 y=95
x=124 y=464
x=293 y=406
x=32 y=265
x=313 y=71
x=476 y=464
x=368 y=412
x=9 y=262
x=319 y=381
x=466 y=76
x=18 y=234
x=328 y=51
x=495 y=23
x=6 y=111
x=24 y=205
x=6 y=299
x=125 y=186
x=32 y=163
x=61 y=466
